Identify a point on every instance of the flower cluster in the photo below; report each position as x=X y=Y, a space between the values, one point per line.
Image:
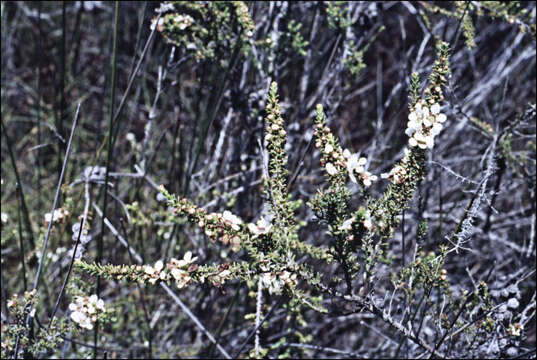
x=356 y=165
x=59 y=215
x=183 y=272
x=86 y=309
x=28 y=297
x=424 y=123
x=205 y=28
x=179 y=269
x=155 y=272
x=398 y=173
x=336 y=160
x=226 y=227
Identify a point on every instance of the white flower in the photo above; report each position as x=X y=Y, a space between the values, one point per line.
x=441 y=118
x=159 y=265
x=77 y=316
x=418 y=110
x=412 y=142
x=368 y=224
x=437 y=127
x=414 y=125
x=149 y=270
x=272 y=283
x=435 y=109
x=328 y=149
x=352 y=165
x=346 y=153
x=177 y=273
x=427 y=122
x=412 y=117
x=421 y=140
x=331 y=169
x=57 y=216
x=86 y=323
x=187 y=260
x=231 y=220
x=4 y=217
x=260 y=228
x=425 y=112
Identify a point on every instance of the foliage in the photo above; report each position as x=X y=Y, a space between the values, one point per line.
x=339 y=179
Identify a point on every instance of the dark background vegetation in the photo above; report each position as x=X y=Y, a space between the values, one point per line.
x=196 y=127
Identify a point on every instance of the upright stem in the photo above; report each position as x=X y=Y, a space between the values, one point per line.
x=108 y=160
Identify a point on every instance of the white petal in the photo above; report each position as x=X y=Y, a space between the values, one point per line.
x=441 y=118
x=419 y=137
x=427 y=122
x=414 y=125
x=425 y=112
x=330 y=169
x=188 y=256
x=412 y=116
x=253 y=228
x=435 y=109
x=412 y=142
x=437 y=127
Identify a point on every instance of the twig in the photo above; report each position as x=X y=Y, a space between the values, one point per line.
x=257 y=327
x=84 y=219
x=163 y=285
x=45 y=242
